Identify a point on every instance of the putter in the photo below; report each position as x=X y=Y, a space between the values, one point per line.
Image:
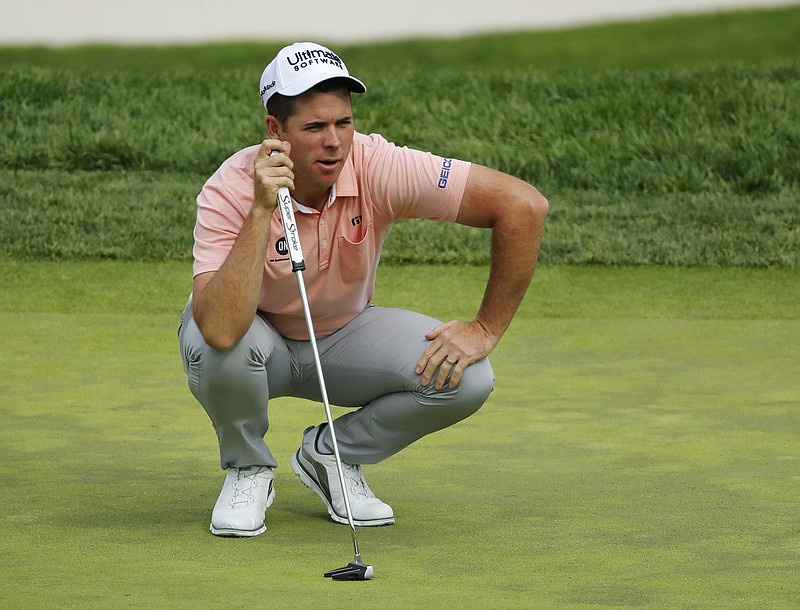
x=356 y=569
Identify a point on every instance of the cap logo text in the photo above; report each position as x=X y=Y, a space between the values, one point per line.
x=303 y=59
x=266 y=88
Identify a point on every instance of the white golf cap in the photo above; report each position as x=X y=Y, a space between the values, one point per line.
x=299 y=67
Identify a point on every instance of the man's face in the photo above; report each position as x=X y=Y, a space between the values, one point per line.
x=321 y=134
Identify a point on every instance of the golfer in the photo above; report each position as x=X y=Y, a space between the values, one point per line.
x=243 y=336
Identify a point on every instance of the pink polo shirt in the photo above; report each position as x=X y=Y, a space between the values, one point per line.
x=379 y=183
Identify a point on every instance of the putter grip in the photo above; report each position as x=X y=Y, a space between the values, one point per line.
x=290 y=227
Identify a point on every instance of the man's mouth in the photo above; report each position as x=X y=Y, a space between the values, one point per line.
x=328 y=164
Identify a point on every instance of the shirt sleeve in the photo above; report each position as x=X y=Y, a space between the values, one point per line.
x=222 y=206
x=409 y=183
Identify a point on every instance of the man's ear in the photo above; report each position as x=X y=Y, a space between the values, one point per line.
x=273 y=127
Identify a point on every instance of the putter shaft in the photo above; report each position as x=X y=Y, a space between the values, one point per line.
x=340 y=471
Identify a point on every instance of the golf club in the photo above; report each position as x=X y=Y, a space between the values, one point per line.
x=356 y=569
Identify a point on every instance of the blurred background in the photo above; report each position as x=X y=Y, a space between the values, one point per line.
x=59 y=22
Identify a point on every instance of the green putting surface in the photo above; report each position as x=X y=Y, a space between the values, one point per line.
x=642 y=456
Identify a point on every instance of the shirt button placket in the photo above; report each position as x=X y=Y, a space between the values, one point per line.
x=323 y=243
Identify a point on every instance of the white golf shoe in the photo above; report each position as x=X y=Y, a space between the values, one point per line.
x=243 y=502
x=318 y=472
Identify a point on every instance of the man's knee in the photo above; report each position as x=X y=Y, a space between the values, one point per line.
x=244 y=363
x=257 y=343
x=468 y=396
x=476 y=384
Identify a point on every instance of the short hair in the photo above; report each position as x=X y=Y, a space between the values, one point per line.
x=283 y=107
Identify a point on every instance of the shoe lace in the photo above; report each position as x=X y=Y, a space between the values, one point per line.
x=244 y=484
x=358 y=485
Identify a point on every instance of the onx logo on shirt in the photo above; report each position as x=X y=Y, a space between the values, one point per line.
x=282 y=246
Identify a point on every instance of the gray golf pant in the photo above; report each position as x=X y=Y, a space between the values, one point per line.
x=369 y=364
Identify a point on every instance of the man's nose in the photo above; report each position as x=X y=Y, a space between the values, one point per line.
x=331 y=139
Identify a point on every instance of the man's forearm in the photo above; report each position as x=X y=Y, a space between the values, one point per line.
x=515 y=250
x=225 y=307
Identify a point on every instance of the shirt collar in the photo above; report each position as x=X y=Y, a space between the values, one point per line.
x=307 y=210
x=346 y=184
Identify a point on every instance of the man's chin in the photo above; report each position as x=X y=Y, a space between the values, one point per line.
x=329 y=178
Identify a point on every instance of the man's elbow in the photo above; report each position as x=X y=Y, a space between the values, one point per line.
x=221 y=342
x=217 y=336
x=535 y=208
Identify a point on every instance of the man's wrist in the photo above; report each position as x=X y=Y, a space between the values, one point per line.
x=493 y=336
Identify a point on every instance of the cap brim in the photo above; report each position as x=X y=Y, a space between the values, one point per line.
x=296 y=88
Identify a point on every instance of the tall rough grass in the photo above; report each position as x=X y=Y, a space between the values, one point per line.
x=693 y=165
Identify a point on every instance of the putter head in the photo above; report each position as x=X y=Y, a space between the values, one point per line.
x=355 y=570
